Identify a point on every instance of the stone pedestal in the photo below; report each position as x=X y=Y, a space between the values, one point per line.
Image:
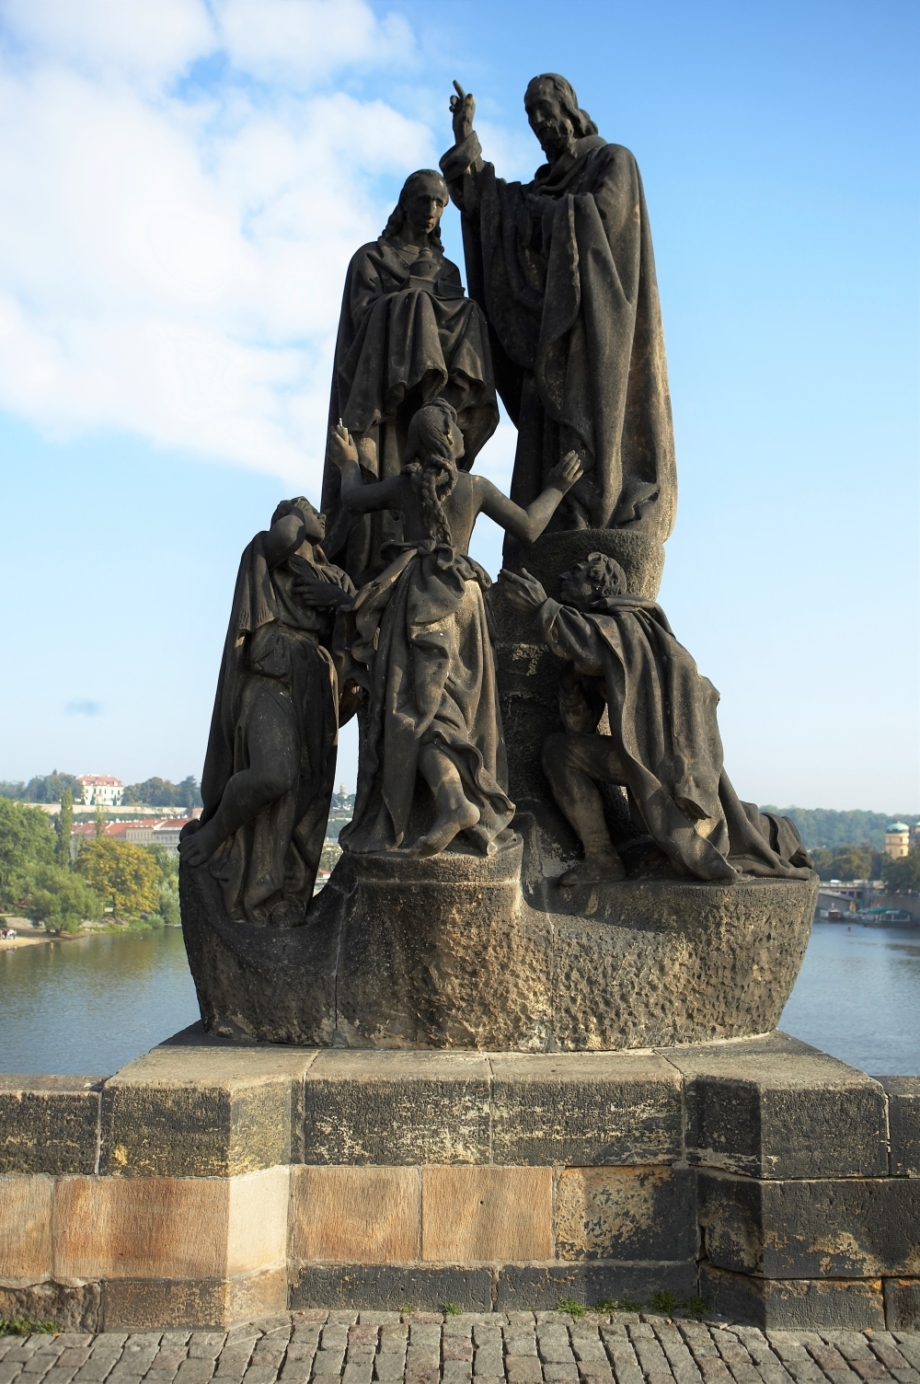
x=466 y=951
x=210 y=1183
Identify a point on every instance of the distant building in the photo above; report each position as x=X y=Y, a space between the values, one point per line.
x=897 y=840
x=166 y=833
x=101 y=790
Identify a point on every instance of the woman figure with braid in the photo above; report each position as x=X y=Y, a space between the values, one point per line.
x=418 y=635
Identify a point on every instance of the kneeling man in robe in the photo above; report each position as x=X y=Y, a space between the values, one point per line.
x=664 y=746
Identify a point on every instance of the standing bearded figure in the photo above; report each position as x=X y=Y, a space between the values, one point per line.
x=563 y=268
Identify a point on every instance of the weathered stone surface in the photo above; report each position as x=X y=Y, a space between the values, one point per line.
x=529 y=1287
x=355 y=1215
x=776 y=1107
x=200 y=1107
x=170 y=1228
x=835 y=1228
x=902 y=1305
x=647 y=963
x=626 y=1214
x=360 y=1285
x=483 y=1214
x=72 y=1307
x=390 y=1107
x=904 y=1122
x=585 y=1108
x=787 y=1304
x=435 y=954
x=243 y=973
x=25 y=1228
x=49 y=1124
x=446 y=953
x=150 y=1304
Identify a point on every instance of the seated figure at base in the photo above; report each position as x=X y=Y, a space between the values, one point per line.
x=419 y=632
x=270 y=765
x=664 y=746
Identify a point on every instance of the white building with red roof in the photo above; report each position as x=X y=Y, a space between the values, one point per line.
x=101 y=790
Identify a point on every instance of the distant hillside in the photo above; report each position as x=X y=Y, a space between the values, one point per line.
x=822 y=826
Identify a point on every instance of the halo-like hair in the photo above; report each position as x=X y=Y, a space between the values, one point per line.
x=398 y=214
x=581 y=120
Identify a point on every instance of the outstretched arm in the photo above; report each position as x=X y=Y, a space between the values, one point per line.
x=358 y=496
x=527 y=524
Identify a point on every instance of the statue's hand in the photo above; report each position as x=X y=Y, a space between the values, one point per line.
x=566 y=472
x=342 y=447
x=462 y=109
x=523 y=591
x=321 y=594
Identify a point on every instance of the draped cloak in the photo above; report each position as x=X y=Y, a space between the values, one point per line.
x=402 y=341
x=420 y=631
x=663 y=726
x=564 y=269
x=274 y=654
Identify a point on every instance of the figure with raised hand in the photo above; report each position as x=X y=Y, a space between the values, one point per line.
x=432 y=755
x=407 y=334
x=564 y=270
x=663 y=747
x=270 y=764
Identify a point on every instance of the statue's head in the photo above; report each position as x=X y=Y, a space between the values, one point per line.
x=433 y=447
x=592 y=582
x=555 y=116
x=419 y=209
x=314 y=523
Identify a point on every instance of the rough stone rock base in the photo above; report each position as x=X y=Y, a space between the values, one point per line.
x=454 y=953
x=211 y=1183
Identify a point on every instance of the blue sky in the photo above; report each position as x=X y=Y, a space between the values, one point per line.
x=185 y=184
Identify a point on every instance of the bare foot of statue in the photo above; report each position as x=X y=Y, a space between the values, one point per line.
x=594 y=869
x=448 y=825
x=200 y=845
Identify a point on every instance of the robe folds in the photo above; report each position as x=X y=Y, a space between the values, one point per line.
x=276 y=672
x=663 y=726
x=564 y=269
x=402 y=341
x=420 y=631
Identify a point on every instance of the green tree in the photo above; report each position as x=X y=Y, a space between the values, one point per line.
x=48 y=788
x=126 y=874
x=902 y=876
x=101 y=820
x=27 y=839
x=65 y=829
x=157 y=792
x=59 y=899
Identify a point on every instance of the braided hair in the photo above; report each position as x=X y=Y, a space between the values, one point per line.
x=581 y=120
x=430 y=462
x=397 y=218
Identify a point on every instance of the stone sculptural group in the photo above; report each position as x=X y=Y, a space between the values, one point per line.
x=375 y=607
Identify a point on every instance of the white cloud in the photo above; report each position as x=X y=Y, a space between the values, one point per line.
x=173 y=264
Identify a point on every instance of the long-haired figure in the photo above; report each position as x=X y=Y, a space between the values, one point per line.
x=407 y=334
x=432 y=754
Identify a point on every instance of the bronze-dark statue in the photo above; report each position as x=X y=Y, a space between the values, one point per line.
x=492 y=893
x=564 y=269
x=663 y=744
x=407 y=334
x=270 y=766
x=421 y=631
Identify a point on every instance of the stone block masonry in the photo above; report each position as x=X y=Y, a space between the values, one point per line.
x=208 y=1184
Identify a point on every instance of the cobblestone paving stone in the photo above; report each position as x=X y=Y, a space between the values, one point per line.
x=472 y=1348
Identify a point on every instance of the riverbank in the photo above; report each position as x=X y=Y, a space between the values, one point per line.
x=28 y=936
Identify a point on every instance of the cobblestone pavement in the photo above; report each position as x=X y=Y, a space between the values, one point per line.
x=426 y=1348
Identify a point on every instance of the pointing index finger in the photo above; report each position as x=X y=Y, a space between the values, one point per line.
x=459 y=90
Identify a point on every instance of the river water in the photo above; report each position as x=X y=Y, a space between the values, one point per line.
x=93 y=1004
